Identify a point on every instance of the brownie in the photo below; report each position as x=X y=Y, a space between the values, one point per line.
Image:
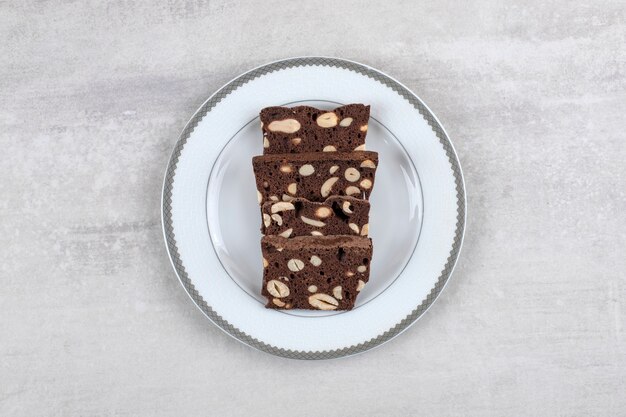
x=307 y=129
x=314 y=176
x=315 y=272
x=301 y=217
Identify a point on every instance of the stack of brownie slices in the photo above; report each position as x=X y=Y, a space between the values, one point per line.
x=313 y=182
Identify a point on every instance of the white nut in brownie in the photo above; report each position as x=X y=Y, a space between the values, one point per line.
x=368 y=163
x=349 y=273
x=347 y=207
x=278 y=302
x=329 y=148
x=284 y=126
x=360 y=148
x=306 y=170
x=267 y=220
x=323 y=212
x=274 y=198
x=327 y=119
x=286 y=233
x=316 y=233
x=361 y=268
x=259 y=196
x=265 y=263
x=363 y=128
x=333 y=169
x=285 y=168
x=277 y=289
x=295 y=265
x=287 y=197
x=312 y=222
x=323 y=301
x=354 y=227
x=328 y=186
x=346 y=122
x=282 y=206
x=276 y=217
x=296 y=141
x=312 y=288
x=315 y=260
x=337 y=292
x=360 y=286
x=365 y=229
x=266 y=143
x=366 y=183
x=352 y=174
x=292 y=188
x=352 y=190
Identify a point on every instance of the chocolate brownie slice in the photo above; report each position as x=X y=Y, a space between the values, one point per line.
x=315 y=272
x=307 y=129
x=300 y=217
x=314 y=176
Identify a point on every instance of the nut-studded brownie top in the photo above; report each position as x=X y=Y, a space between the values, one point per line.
x=307 y=129
x=317 y=273
x=300 y=217
x=314 y=176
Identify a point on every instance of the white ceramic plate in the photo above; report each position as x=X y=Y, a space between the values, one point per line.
x=211 y=218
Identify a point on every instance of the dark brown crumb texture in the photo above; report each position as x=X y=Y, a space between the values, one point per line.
x=300 y=217
x=307 y=129
x=315 y=273
x=314 y=176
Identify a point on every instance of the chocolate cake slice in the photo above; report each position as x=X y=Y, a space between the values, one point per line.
x=315 y=272
x=307 y=129
x=314 y=176
x=301 y=217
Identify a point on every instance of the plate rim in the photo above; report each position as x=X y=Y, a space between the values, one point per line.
x=359 y=68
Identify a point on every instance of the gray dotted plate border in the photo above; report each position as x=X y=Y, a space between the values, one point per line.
x=170 y=237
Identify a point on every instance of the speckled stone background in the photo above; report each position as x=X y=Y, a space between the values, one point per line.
x=93 y=321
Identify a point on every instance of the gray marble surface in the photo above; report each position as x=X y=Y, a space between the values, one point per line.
x=94 y=94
